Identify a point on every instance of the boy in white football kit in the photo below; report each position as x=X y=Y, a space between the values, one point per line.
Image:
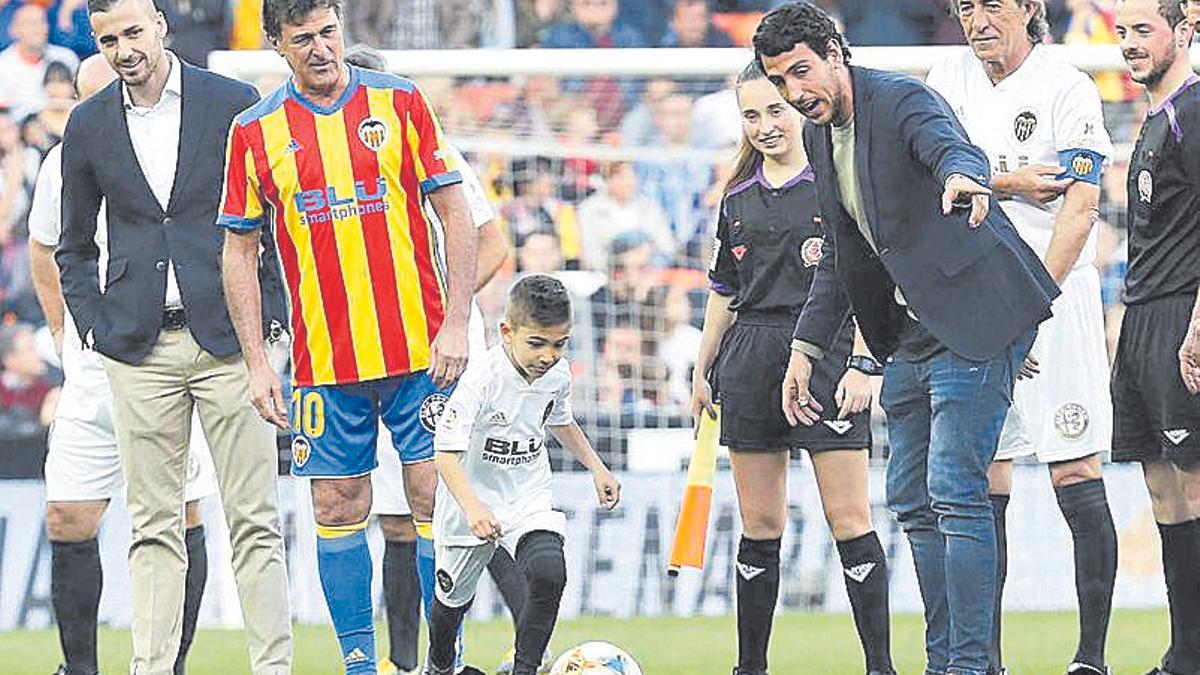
x=1040 y=122
x=388 y=500
x=83 y=467
x=495 y=487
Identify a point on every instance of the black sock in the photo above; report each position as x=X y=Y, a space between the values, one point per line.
x=402 y=602
x=864 y=565
x=1181 y=568
x=999 y=511
x=197 y=577
x=541 y=563
x=757 y=591
x=512 y=586
x=1085 y=507
x=443 y=633
x=75 y=583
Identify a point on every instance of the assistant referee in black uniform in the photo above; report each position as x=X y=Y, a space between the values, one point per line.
x=1156 y=374
x=768 y=243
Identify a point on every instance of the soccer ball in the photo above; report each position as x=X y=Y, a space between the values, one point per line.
x=595 y=658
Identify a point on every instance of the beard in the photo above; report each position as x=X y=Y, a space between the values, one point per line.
x=1159 y=69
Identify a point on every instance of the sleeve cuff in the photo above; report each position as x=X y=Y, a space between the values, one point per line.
x=37 y=235
x=720 y=288
x=808 y=349
x=439 y=181
x=985 y=181
x=450 y=447
x=238 y=223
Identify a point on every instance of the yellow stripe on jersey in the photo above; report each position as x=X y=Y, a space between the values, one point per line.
x=285 y=173
x=352 y=248
x=412 y=307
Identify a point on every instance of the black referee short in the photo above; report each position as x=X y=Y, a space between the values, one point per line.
x=749 y=375
x=1154 y=415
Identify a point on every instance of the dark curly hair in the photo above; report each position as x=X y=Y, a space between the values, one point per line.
x=797 y=23
x=275 y=13
x=538 y=300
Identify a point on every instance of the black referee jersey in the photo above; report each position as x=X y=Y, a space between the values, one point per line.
x=768 y=243
x=1163 y=218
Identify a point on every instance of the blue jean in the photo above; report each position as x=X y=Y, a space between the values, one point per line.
x=944 y=418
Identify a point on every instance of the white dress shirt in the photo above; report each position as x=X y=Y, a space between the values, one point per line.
x=154 y=131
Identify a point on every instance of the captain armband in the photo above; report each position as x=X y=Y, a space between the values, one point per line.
x=1080 y=164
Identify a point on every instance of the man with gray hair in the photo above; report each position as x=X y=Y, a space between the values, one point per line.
x=1039 y=121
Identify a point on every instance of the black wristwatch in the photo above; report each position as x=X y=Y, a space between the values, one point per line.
x=864 y=364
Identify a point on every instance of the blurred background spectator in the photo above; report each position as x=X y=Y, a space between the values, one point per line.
x=592 y=23
x=617 y=209
x=28 y=390
x=196 y=27
x=692 y=26
x=23 y=63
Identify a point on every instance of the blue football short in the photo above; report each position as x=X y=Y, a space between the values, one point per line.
x=335 y=427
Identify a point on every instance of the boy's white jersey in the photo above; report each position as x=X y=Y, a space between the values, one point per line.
x=1047 y=106
x=498 y=422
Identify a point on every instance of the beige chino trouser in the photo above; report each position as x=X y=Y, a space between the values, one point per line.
x=152 y=404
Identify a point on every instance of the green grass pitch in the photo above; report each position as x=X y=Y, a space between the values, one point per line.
x=820 y=644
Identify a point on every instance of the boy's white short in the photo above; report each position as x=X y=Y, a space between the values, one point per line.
x=1065 y=411
x=83 y=464
x=459 y=567
x=387 y=480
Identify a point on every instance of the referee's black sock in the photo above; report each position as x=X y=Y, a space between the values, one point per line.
x=1085 y=507
x=541 y=562
x=1181 y=567
x=757 y=591
x=864 y=566
x=194 y=582
x=510 y=582
x=443 y=634
x=999 y=516
x=402 y=601
x=75 y=584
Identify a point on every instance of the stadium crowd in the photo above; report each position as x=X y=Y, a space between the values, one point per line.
x=629 y=236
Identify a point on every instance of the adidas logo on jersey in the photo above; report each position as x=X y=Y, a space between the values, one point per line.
x=860 y=573
x=1176 y=436
x=748 y=572
x=840 y=427
x=355 y=656
x=498 y=418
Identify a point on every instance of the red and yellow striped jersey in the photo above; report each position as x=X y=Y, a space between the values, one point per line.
x=342 y=186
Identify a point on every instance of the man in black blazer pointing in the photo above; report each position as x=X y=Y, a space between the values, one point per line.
x=151 y=146
x=944 y=290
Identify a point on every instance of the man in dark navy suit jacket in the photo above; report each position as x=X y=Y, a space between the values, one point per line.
x=150 y=148
x=943 y=289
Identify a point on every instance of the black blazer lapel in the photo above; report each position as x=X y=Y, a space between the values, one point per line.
x=191 y=127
